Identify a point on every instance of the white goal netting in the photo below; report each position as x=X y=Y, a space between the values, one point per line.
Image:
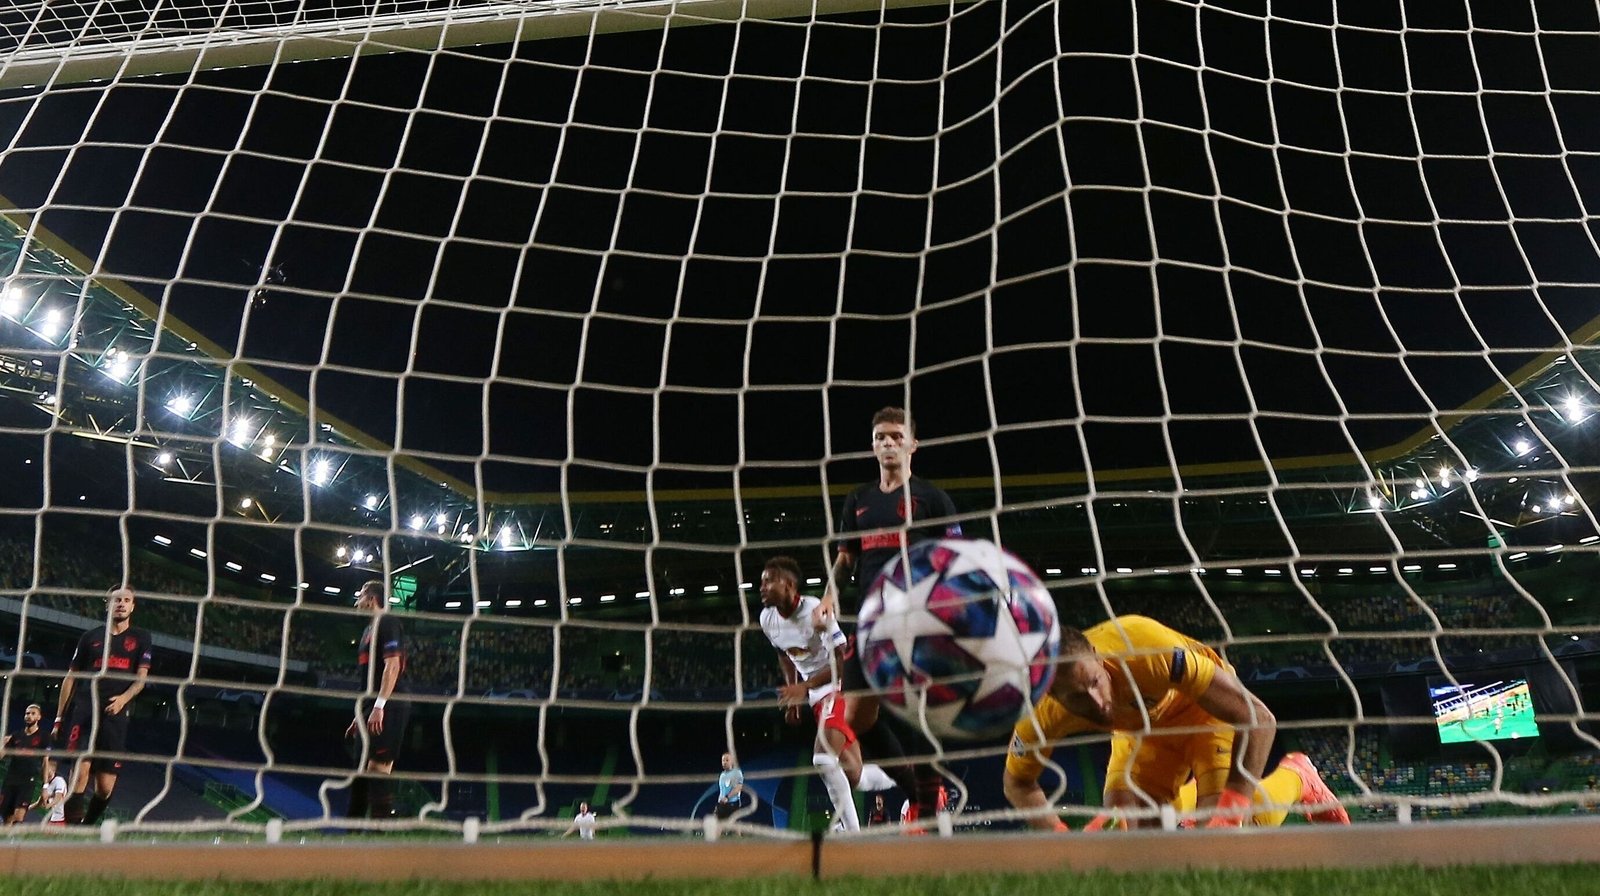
x=1271 y=323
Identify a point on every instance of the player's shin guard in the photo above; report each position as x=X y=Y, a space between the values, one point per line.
x=73 y=808
x=930 y=787
x=97 y=808
x=358 y=798
x=879 y=743
x=844 y=803
x=380 y=796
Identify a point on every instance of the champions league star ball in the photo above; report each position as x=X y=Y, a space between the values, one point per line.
x=958 y=636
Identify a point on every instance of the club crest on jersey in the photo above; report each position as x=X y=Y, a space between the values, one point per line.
x=130 y=644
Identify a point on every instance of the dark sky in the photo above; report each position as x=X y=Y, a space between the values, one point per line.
x=723 y=244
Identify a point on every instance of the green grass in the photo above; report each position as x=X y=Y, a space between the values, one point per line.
x=1460 y=881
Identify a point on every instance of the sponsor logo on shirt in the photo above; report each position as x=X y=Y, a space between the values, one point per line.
x=883 y=540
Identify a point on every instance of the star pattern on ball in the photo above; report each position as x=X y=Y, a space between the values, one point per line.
x=999 y=654
x=905 y=616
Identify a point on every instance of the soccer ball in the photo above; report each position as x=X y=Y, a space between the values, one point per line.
x=958 y=636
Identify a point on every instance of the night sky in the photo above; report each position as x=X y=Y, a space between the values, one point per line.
x=728 y=245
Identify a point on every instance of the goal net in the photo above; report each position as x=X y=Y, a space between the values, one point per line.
x=558 y=319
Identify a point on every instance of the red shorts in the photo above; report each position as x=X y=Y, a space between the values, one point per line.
x=56 y=824
x=830 y=714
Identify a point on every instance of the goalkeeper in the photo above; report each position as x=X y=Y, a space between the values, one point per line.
x=1138 y=679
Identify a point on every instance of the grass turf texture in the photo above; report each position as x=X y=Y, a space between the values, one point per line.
x=1502 y=880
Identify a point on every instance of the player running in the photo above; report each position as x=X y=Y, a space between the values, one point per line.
x=1135 y=677
x=809 y=658
x=876 y=526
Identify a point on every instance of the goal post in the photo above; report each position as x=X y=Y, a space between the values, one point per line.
x=240 y=38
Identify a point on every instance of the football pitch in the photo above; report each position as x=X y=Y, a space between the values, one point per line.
x=1502 y=880
x=1517 y=725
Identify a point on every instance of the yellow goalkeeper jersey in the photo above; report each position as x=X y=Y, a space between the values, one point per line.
x=1156 y=672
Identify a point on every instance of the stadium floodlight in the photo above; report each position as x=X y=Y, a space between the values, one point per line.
x=1421 y=483
x=340 y=552
x=607 y=598
x=540 y=602
x=814 y=580
x=505 y=536
x=1520 y=555
x=574 y=601
x=1345 y=571
x=1376 y=569
x=514 y=602
x=329 y=589
x=371 y=503
x=641 y=595
x=1234 y=571
x=1522 y=446
x=321 y=471
x=181 y=404
x=452 y=605
x=440 y=519
x=1471 y=475
x=1574 y=409
x=115 y=364
x=163 y=459
x=482 y=604
x=1412 y=567
x=1273 y=572
x=268 y=577
x=1444 y=475
x=198 y=553
x=1569 y=500
x=1374 y=501
x=1447 y=566
x=1088 y=570
x=674 y=592
x=1161 y=572
x=1124 y=569
x=1418 y=494
x=51 y=328
x=246 y=503
x=1052 y=571
x=1308 y=572
x=11 y=302
x=712 y=589
x=241 y=431
x=743 y=586
x=418 y=521
x=1537 y=508
x=162 y=540
x=234 y=566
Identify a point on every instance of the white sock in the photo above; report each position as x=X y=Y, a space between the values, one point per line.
x=873 y=777
x=844 y=803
